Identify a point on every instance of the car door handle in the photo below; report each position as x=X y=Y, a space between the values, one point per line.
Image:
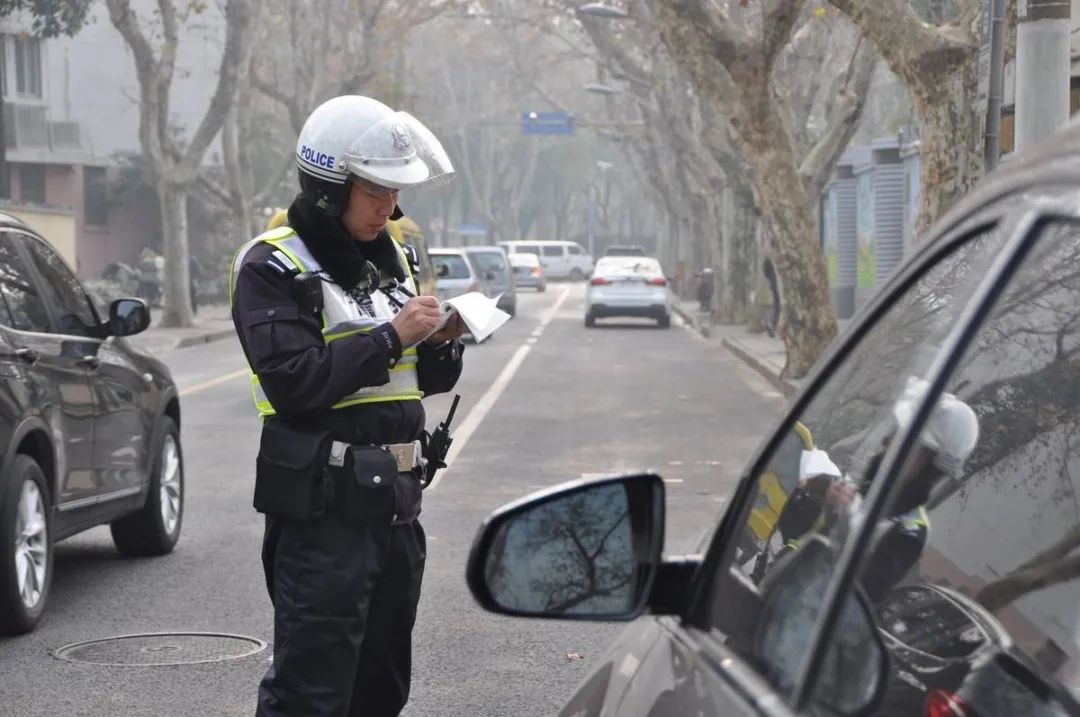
x=28 y=355
x=91 y=362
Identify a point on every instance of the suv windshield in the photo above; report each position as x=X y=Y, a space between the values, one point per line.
x=486 y=261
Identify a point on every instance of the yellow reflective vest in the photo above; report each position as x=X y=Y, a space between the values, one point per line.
x=341 y=317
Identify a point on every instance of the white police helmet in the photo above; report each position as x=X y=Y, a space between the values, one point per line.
x=354 y=137
x=951 y=431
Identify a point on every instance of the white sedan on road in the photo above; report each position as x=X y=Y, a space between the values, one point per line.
x=628 y=286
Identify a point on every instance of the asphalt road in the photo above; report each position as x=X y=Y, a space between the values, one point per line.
x=544 y=401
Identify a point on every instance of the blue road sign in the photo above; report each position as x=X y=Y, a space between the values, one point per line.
x=547 y=123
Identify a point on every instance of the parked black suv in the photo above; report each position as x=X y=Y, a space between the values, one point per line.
x=89 y=427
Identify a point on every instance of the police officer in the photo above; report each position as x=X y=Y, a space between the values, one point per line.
x=341 y=353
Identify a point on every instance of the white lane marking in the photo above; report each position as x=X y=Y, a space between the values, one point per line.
x=531 y=340
x=487 y=401
x=550 y=313
x=480 y=410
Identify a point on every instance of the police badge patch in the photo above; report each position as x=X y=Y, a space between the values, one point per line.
x=401 y=137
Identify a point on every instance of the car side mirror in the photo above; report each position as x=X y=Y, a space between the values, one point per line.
x=128 y=317
x=585 y=550
x=852 y=676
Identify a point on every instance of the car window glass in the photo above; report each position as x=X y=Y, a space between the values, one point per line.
x=527 y=249
x=575 y=250
x=24 y=306
x=996 y=472
x=456 y=267
x=488 y=260
x=925 y=619
x=64 y=291
x=821 y=457
x=553 y=251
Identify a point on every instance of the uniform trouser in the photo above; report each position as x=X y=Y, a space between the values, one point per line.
x=345 y=599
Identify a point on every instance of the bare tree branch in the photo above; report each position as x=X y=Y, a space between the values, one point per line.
x=239 y=18
x=777 y=25
x=843 y=119
x=146 y=69
x=899 y=33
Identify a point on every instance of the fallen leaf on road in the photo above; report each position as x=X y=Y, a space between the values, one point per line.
x=571 y=656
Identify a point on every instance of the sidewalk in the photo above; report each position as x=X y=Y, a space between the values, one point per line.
x=213 y=322
x=760 y=352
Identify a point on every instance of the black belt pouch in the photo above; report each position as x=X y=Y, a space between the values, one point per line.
x=290 y=471
x=370 y=473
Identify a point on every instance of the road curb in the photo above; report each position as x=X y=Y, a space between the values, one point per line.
x=208 y=337
x=696 y=325
x=765 y=369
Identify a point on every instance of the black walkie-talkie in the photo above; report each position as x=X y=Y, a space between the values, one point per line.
x=437 y=445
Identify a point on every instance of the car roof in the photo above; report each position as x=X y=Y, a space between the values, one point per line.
x=10 y=221
x=499 y=249
x=447 y=250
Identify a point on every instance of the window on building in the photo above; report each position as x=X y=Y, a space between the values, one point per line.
x=95 y=196
x=32 y=183
x=28 y=66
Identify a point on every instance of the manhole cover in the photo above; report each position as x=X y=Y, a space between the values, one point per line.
x=161 y=648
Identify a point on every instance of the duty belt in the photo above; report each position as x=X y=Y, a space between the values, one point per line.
x=408 y=455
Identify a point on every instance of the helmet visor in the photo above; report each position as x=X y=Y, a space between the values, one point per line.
x=399 y=152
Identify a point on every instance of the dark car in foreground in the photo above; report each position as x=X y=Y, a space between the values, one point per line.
x=983 y=621
x=89 y=427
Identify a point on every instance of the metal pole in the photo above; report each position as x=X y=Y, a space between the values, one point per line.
x=592 y=212
x=1042 y=69
x=997 y=80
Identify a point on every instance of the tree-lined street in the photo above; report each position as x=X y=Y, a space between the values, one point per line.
x=570 y=403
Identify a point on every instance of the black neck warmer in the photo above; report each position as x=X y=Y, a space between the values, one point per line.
x=341 y=256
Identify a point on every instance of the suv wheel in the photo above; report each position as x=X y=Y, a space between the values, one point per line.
x=155 y=529
x=26 y=551
x=590 y=321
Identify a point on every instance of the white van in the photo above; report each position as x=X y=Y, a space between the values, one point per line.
x=560 y=259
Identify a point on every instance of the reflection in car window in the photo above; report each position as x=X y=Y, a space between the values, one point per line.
x=922 y=618
x=456 y=268
x=821 y=463
x=22 y=302
x=63 y=289
x=488 y=260
x=1004 y=523
x=572 y=555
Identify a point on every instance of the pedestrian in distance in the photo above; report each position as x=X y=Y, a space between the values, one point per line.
x=774 y=290
x=341 y=351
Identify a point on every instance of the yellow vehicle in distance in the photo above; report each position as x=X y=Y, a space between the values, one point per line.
x=407 y=232
x=404 y=231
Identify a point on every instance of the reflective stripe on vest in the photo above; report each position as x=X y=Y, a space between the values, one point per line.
x=341 y=318
x=915 y=519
